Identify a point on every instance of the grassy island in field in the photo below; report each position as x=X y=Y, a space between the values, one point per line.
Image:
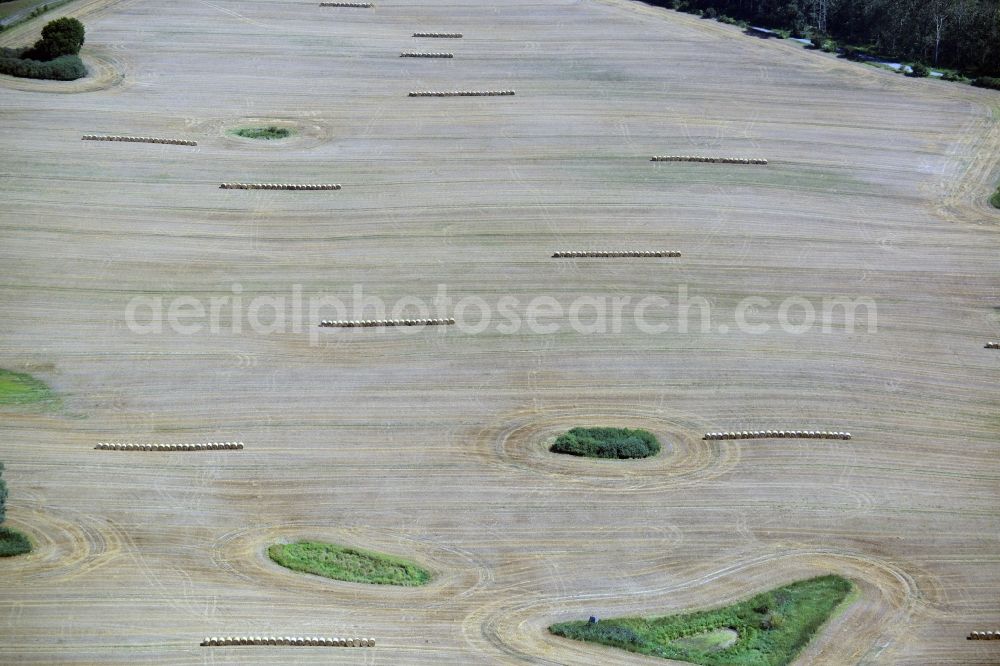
x=617 y=443
x=995 y=199
x=769 y=629
x=268 y=133
x=349 y=564
x=55 y=56
x=18 y=388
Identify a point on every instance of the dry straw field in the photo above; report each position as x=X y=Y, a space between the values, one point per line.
x=431 y=445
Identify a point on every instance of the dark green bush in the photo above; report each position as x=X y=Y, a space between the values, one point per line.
x=987 y=82
x=64 y=68
x=13 y=543
x=611 y=634
x=995 y=199
x=617 y=443
x=919 y=70
x=952 y=76
x=709 y=13
x=729 y=20
x=61 y=37
x=3 y=495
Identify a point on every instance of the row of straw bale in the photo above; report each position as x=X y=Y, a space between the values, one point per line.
x=209 y=446
x=439 y=35
x=425 y=54
x=367 y=323
x=138 y=139
x=984 y=636
x=714 y=160
x=304 y=641
x=574 y=254
x=771 y=434
x=279 y=186
x=357 y=5
x=993 y=345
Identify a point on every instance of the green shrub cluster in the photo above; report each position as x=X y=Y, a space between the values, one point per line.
x=825 y=44
x=3 y=495
x=995 y=199
x=607 y=443
x=54 y=56
x=270 y=132
x=690 y=7
x=13 y=543
x=613 y=634
x=350 y=564
x=991 y=82
x=729 y=20
x=773 y=627
x=64 y=68
x=919 y=70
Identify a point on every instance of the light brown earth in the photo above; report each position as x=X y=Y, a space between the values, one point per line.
x=431 y=445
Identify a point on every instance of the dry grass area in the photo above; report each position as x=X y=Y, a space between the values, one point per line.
x=432 y=446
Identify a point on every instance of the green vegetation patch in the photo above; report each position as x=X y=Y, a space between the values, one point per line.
x=990 y=82
x=266 y=133
x=995 y=199
x=13 y=543
x=63 y=68
x=709 y=641
x=771 y=627
x=54 y=56
x=18 y=388
x=618 y=443
x=350 y=564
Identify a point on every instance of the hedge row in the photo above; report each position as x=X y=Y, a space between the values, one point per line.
x=990 y=82
x=63 y=68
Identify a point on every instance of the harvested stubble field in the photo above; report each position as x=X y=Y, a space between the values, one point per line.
x=432 y=446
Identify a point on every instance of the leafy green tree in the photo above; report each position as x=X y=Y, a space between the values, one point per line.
x=61 y=37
